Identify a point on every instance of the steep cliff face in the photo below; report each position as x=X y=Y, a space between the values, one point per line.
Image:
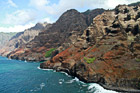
x=108 y=51
x=70 y=23
x=5 y=37
x=22 y=38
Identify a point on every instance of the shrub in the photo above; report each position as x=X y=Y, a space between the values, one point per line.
x=90 y=60
x=49 y=52
x=138 y=60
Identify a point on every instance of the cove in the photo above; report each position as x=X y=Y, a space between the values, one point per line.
x=23 y=77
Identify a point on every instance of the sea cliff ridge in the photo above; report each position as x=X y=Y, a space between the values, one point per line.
x=108 y=51
x=96 y=46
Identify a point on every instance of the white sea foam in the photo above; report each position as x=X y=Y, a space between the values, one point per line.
x=65 y=74
x=70 y=81
x=42 y=85
x=93 y=86
x=61 y=81
x=77 y=80
x=31 y=90
x=44 y=69
x=39 y=68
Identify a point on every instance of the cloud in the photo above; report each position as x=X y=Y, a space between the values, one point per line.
x=47 y=19
x=17 y=28
x=56 y=9
x=11 y=3
x=39 y=4
x=20 y=17
x=113 y=3
x=49 y=9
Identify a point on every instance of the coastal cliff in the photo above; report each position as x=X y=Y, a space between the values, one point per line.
x=22 y=38
x=107 y=52
x=97 y=46
x=62 y=33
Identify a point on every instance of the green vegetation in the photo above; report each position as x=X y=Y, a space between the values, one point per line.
x=138 y=60
x=90 y=60
x=49 y=52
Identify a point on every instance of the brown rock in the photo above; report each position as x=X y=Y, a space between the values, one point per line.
x=113 y=43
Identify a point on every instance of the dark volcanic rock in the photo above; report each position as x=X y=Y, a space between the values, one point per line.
x=62 y=33
x=113 y=43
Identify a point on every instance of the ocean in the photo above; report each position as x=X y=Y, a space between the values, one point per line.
x=24 y=77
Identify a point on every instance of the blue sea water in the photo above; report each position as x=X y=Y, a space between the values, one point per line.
x=23 y=77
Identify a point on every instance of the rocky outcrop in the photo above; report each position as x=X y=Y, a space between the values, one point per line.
x=108 y=51
x=62 y=33
x=22 y=38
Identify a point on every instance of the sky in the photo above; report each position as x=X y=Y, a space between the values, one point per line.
x=18 y=15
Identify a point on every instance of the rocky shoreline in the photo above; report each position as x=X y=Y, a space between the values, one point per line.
x=118 y=89
x=107 y=52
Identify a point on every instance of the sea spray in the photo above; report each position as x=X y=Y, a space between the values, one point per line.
x=91 y=87
x=98 y=88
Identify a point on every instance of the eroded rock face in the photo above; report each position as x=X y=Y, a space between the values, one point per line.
x=113 y=40
x=62 y=34
x=22 y=38
x=5 y=37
